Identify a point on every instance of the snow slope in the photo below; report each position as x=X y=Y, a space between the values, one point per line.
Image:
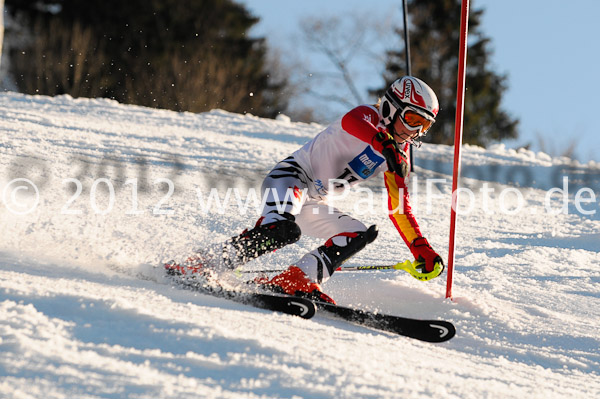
x=84 y=312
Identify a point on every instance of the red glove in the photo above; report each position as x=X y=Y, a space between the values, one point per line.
x=423 y=252
x=396 y=159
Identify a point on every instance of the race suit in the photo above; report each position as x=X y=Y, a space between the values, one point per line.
x=345 y=154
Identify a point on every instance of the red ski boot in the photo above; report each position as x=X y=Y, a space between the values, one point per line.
x=293 y=281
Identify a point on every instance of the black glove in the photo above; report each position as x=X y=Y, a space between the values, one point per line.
x=396 y=159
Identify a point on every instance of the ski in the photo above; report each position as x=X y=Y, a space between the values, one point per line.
x=423 y=330
x=291 y=305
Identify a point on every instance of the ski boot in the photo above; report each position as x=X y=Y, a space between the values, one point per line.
x=304 y=278
x=293 y=281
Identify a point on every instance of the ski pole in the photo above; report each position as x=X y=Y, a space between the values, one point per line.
x=398 y=266
x=411 y=267
x=339 y=269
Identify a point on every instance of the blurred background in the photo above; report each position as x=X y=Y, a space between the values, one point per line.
x=531 y=79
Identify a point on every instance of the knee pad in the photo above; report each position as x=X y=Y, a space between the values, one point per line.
x=339 y=249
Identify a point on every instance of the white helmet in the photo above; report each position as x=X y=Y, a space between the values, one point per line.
x=408 y=92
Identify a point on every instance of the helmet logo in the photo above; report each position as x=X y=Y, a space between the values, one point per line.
x=410 y=95
x=407 y=89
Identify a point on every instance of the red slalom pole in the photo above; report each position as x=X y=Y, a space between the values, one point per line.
x=458 y=132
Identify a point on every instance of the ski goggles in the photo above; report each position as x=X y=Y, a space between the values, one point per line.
x=415 y=121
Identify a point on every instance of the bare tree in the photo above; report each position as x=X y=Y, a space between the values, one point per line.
x=347 y=51
x=326 y=36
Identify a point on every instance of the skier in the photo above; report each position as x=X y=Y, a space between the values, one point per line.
x=366 y=141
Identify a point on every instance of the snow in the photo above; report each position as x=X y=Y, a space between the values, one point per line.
x=86 y=313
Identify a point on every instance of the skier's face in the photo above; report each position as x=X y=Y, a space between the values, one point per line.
x=402 y=134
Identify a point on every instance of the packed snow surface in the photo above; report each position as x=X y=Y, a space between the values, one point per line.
x=95 y=195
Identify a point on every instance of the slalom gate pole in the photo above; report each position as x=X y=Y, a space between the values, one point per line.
x=408 y=68
x=458 y=132
x=406 y=38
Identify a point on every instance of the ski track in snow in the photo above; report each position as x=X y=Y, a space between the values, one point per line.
x=85 y=313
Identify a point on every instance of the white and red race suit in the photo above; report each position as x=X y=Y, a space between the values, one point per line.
x=346 y=153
